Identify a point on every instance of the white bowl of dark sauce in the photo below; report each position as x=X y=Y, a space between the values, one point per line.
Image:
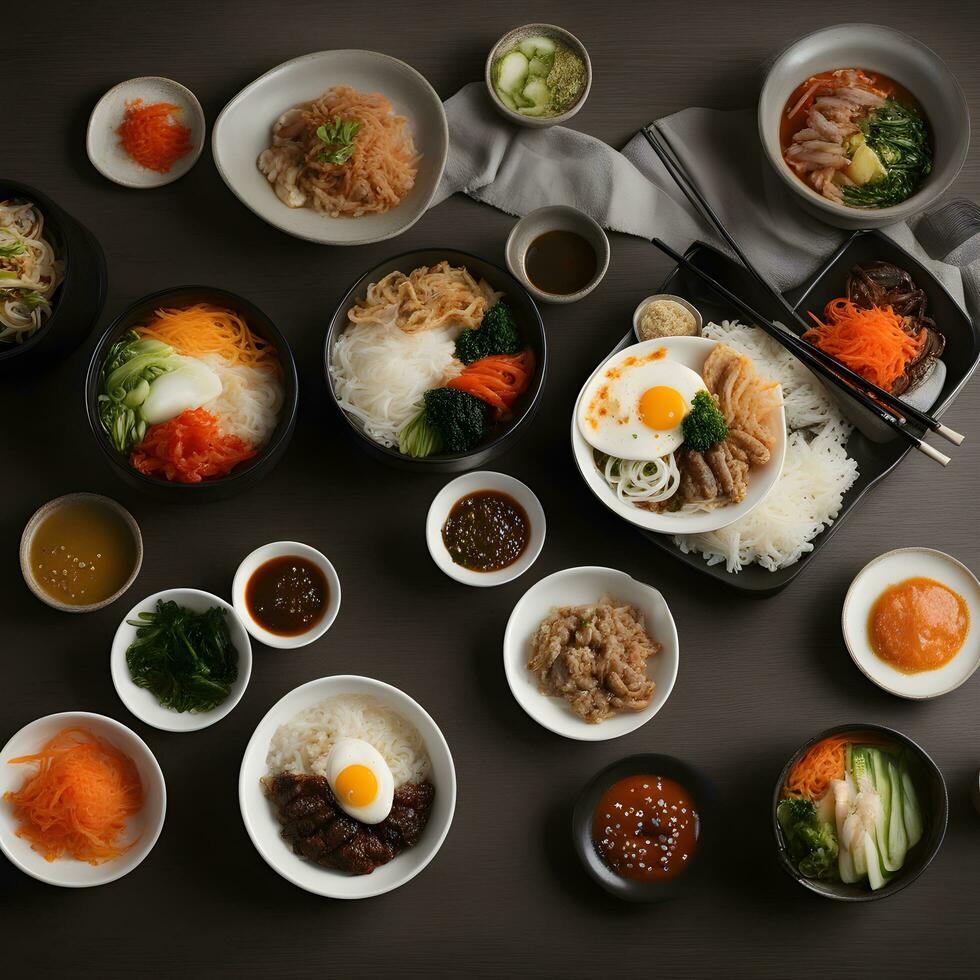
x=485 y=528
x=558 y=253
x=287 y=594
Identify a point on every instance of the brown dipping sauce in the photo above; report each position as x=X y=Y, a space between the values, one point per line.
x=918 y=625
x=486 y=530
x=83 y=552
x=646 y=828
x=560 y=262
x=287 y=595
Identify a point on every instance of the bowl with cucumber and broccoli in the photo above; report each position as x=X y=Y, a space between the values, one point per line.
x=859 y=812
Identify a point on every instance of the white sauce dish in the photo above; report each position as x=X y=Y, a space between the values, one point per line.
x=469 y=483
x=282 y=549
x=890 y=569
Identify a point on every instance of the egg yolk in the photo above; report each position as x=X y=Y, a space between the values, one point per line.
x=662 y=407
x=356 y=785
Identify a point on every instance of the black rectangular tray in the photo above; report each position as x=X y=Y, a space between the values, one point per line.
x=875 y=459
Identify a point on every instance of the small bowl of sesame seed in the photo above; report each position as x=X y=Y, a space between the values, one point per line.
x=80 y=552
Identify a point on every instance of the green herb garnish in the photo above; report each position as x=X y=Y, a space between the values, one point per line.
x=898 y=135
x=185 y=658
x=337 y=137
x=704 y=425
x=14 y=248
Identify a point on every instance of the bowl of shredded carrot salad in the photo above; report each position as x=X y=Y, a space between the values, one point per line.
x=82 y=799
x=146 y=132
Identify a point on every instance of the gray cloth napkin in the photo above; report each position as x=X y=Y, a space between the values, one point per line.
x=517 y=170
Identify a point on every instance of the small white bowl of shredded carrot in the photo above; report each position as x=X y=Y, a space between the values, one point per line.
x=146 y=132
x=82 y=799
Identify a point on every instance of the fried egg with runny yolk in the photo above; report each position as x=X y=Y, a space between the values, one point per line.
x=360 y=780
x=633 y=408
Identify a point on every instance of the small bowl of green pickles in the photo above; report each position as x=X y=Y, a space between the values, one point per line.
x=538 y=75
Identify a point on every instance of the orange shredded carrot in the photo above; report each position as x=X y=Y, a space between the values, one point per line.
x=151 y=135
x=189 y=449
x=498 y=380
x=77 y=802
x=205 y=329
x=811 y=774
x=873 y=342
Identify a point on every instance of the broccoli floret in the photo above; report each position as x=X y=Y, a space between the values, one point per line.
x=704 y=425
x=812 y=842
x=497 y=334
x=459 y=417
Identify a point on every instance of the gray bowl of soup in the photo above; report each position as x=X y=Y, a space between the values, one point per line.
x=903 y=70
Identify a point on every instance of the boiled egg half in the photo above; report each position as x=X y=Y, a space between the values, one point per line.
x=360 y=780
x=633 y=407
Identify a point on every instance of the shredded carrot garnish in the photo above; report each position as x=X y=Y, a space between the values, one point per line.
x=811 y=774
x=205 y=329
x=151 y=135
x=77 y=802
x=189 y=449
x=498 y=380
x=873 y=342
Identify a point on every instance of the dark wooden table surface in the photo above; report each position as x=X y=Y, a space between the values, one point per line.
x=505 y=896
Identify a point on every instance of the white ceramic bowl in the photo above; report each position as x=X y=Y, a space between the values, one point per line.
x=579 y=586
x=102 y=142
x=468 y=483
x=142 y=702
x=902 y=58
x=690 y=307
x=264 y=829
x=556 y=217
x=890 y=569
x=510 y=40
x=244 y=129
x=691 y=352
x=143 y=827
x=277 y=550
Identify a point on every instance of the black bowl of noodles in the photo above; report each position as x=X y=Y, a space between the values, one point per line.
x=381 y=438
x=76 y=302
x=278 y=421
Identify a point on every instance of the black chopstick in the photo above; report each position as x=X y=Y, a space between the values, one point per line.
x=803 y=352
x=892 y=403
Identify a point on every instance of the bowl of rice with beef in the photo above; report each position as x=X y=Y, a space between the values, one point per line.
x=347 y=787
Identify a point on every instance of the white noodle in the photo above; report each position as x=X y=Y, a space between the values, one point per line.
x=638 y=479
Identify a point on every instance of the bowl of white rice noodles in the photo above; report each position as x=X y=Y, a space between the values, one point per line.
x=296 y=735
x=377 y=374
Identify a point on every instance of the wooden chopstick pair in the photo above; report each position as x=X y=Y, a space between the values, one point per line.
x=883 y=404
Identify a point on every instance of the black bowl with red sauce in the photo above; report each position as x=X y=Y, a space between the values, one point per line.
x=644 y=878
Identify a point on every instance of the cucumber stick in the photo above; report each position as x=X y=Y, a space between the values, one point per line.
x=878 y=767
x=913 y=815
x=898 y=840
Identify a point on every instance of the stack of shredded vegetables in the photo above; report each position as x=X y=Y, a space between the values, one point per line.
x=77 y=803
x=189 y=449
x=152 y=137
x=871 y=341
x=811 y=774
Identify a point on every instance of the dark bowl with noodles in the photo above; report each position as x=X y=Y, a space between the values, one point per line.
x=77 y=301
x=501 y=435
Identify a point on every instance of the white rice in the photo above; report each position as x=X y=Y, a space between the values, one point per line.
x=380 y=373
x=302 y=744
x=250 y=401
x=816 y=475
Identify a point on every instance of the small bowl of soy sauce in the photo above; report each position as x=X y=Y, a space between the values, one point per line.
x=558 y=253
x=287 y=594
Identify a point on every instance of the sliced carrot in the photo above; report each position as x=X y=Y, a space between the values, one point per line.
x=498 y=380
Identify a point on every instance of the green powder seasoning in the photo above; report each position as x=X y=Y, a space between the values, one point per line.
x=566 y=79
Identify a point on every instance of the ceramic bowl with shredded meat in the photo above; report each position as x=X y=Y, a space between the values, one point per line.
x=590 y=653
